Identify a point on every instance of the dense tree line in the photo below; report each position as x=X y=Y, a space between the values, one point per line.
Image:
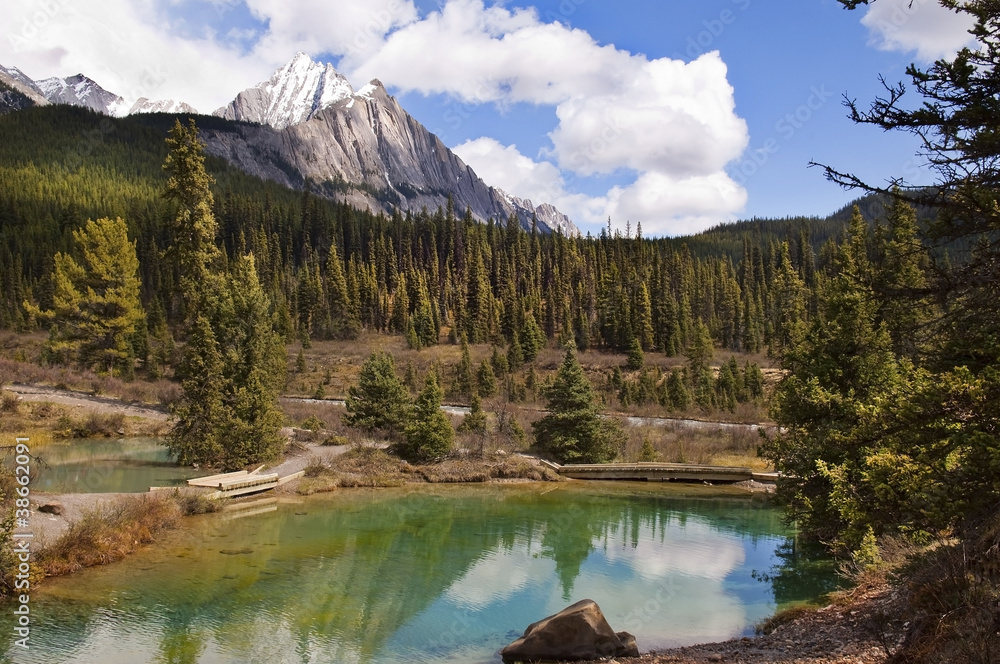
x=332 y=271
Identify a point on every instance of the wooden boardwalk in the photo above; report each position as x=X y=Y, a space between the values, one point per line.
x=660 y=472
x=241 y=482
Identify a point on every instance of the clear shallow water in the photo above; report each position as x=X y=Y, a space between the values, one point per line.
x=103 y=465
x=431 y=574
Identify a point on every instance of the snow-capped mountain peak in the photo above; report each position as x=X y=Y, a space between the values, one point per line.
x=82 y=91
x=294 y=94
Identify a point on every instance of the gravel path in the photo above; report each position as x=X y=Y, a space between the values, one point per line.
x=299 y=454
x=84 y=400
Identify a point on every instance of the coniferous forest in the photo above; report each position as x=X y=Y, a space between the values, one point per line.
x=333 y=271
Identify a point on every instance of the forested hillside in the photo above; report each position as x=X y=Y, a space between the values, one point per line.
x=332 y=269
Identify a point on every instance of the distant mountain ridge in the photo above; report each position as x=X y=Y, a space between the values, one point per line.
x=307 y=124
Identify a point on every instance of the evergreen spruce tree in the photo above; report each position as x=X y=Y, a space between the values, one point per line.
x=379 y=401
x=634 y=360
x=499 y=362
x=515 y=354
x=753 y=379
x=680 y=396
x=254 y=373
x=643 y=331
x=726 y=388
x=343 y=317
x=573 y=431
x=533 y=339
x=96 y=308
x=201 y=412
x=410 y=377
x=429 y=434
x=422 y=322
x=475 y=421
x=234 y=361
x=704 y=392
x=648 y=453
x=465 y=381
x=161 y=350
x=400 y=317
x=699 y=356
x=486 y=380
x=699 y=352
x=193 y=229
x=826 y=405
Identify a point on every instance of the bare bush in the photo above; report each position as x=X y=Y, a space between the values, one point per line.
x=109 y=533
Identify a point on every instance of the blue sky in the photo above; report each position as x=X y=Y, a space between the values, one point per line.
x=676 y=114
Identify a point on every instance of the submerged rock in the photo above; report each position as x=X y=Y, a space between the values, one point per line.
x=54 y=507
x=578 y=632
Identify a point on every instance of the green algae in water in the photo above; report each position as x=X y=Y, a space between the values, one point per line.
x=429 y=574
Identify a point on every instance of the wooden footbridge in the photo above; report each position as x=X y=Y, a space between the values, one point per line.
x=661 y=472
x=241 y=482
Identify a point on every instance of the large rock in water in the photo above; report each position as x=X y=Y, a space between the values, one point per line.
x=578 y=632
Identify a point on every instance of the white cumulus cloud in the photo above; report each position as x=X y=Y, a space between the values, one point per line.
x=665 y=116
x=923 y=26
x=671 y=124
x=353 y=29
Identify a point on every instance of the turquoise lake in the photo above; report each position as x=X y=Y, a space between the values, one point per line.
x=428 y=574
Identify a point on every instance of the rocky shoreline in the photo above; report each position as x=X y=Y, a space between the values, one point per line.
x=852 y=630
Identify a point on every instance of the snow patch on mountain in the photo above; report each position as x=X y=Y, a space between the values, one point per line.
x=294 y=94
x=144 y=105
x=82 y=91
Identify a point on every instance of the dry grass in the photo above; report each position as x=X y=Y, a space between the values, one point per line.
x=359 y=467
x=41 y=419
x=783 y=617
x=680 y=443
x=488 y=469
x=297 y=412
x=374 y=467
x=109 y=533
x=161 y=391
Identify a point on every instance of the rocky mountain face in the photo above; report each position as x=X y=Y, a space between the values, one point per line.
x=307 y=123
x=546 y=213
x=18 y=91
x=361 y=146
x=366 y=149
x=12 y=100
x=81 y=91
